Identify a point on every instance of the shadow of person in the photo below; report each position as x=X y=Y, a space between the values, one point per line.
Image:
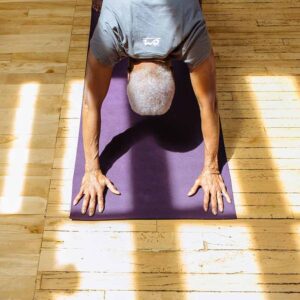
x=178 y=130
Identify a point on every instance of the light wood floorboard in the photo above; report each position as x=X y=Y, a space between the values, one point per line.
x=46 y=256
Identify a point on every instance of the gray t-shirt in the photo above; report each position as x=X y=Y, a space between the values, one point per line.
x=151 y=29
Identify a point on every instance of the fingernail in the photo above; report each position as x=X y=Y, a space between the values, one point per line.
x=83 y=211
x=214 y=212
x=90 y=213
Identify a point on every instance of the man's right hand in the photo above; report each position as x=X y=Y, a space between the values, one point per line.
x=92 y=186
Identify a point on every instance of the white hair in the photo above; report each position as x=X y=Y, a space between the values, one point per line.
x=151 y=89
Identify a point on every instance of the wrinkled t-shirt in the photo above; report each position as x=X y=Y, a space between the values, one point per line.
x=153 y=29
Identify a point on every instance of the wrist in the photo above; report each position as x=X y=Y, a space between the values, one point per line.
x=92 y=166
x=211 y=164
x=210 y=171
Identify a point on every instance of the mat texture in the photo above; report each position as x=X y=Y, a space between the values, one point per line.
x=154 y=160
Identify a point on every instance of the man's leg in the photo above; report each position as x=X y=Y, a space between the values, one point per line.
x=203 y=78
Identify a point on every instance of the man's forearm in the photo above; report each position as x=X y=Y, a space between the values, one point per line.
x=210 y=130
x=91 y=119
x=91 y=114
x=203 y=80
x=96 y=85
x=91 y=127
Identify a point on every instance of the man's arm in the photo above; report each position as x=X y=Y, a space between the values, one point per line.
x=203 y=79
x=97 y=80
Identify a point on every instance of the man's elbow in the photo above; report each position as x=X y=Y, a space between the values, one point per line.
x=209 y=102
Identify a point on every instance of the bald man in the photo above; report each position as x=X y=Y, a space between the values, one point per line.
x=150 y=34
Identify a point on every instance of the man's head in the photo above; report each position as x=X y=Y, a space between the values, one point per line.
x=150 y=88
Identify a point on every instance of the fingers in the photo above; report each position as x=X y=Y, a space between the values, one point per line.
x=95 y=195
x=92 y=205
x=194 y=188
x=216 y=198
x=206 y=200
x=78 y=196
x=100 y=201
x=90 y=201
x=111 y=187
x=226 y=196
x=224 y=191
x=85 y=203
x=220 y=201
x=214 y=202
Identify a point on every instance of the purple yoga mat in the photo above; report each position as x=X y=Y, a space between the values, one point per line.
x=152 y=160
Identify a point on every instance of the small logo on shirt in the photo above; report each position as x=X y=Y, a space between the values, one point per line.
x=151 y=41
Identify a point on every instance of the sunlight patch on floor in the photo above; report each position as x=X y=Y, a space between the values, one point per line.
x=204 y=252
x=11 y=200
x=272 y=120
x=88 y=246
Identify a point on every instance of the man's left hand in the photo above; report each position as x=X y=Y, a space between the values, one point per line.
x=212 y=184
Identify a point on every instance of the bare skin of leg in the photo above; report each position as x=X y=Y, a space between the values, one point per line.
x=97 y=81
x=203 y=79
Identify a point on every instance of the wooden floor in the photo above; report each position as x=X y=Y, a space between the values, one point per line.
x=45 y=255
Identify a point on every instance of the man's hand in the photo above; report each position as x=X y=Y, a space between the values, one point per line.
x=97 y=5
x=212 y=184
x=93 y=185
